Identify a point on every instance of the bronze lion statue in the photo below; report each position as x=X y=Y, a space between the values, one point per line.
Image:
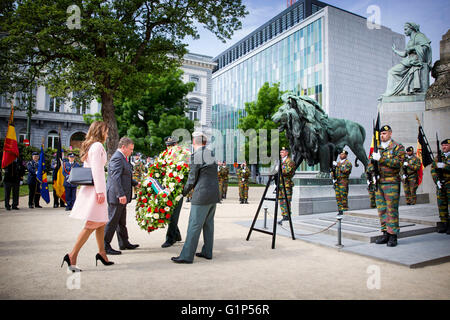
x=315 y=137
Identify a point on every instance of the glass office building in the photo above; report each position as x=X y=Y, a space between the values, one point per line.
x=293 y=60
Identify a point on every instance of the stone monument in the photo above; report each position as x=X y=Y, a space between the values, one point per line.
x=404 y=98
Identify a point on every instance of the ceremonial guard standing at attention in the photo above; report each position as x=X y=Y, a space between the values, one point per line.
x=390 y=158
x=138 y=170
x=71 y=189
x=223 y=179
x=288 y=171
x=34 y=193
x=343 y=170
x=410 y=176
x=243 y=175
x=440 y=171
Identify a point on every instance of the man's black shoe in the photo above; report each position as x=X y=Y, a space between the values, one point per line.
x=199 y=254
x=31 y=207
x=68 y=209
x=178 y=260
x=167 y=244
x=129 y=247
x=38 y=206
x=8 y=208
x=442 y=227
x=55 y=206
x=383 y=239
x=112 y=251
x=392 y=240
x=246 y=201
x=15 y=208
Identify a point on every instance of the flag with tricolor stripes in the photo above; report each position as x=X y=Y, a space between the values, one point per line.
x=58 y=184
x=423 y=152
x=376 y=134
x=10 y=147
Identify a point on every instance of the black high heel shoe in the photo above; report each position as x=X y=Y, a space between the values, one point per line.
x=105 y=263
x=71 y=268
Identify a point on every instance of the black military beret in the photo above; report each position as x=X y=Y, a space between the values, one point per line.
x=409 y=149
x=446 y=141
x=346 y=152
x=285 y=148
x=170 y=140
x=385 y=128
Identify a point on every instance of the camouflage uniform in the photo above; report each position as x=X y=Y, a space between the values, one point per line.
x=243 y=174
x=411 y=182
x=388 y=193
x=372 y=198
x=443 y=194
x=343 y=170
x=223 y=181
x=288 y=170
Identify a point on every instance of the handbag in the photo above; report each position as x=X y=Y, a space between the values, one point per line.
x=81 y=176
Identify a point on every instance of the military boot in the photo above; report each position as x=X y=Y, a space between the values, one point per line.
x=392 y=240
x=442 y=227
x=383 y=239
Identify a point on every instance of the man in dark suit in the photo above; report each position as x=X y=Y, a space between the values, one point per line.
x=204 y=180
x=71 y=189
x=12 y=180
x=34 y=187
x=118 y=189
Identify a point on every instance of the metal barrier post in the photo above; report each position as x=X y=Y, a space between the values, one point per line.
x=265 y=217
x=339 y=219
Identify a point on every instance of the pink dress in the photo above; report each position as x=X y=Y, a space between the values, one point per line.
x=86 y=206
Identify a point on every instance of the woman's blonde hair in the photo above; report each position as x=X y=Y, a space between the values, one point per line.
x=97 y=133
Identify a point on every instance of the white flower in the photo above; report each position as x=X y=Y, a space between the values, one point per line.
x=167 y=209
x=181 y=176
x=156 y=216
x=157 y=175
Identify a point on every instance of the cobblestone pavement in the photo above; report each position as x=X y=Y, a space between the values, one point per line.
x=34 y=241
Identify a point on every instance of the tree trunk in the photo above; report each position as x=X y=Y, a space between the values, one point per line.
x=108 y=114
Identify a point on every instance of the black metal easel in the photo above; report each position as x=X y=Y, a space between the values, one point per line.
x=274 y=232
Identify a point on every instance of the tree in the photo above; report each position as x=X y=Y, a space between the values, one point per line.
x=259 y=116
x=154 y=116
x=102 y=49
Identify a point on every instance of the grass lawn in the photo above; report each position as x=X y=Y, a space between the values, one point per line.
x=23 y=191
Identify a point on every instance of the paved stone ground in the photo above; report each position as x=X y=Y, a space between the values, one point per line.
x=33 y=243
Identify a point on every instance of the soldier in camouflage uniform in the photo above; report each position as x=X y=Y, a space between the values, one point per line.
x=343 y=170
x=288 y=171
x=443 y=186
x=138 y=170
x=390 y=157
x=243 y=175
x=223 y=179
x=410 y=176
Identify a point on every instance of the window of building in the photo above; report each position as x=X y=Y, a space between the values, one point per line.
x=22 y=135
x=55 y=104
x=196 y=81
x=80 y=105
x=194 y=108
x=52 y=139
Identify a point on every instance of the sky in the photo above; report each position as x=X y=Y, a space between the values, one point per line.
x=431 y=15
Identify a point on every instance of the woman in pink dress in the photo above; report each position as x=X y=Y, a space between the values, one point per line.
x=91 y=204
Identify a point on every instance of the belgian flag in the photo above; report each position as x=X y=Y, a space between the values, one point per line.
x=58 y=184
x=10 y=147
x=423 y=152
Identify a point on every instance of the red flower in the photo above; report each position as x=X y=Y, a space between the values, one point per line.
x=186 y=165
x=144 y=201
x=178 y=167
x=178 y=179
x=162 y=210
x=149 y=210
x=169 y=203
x=163 y=173
x=140 y=193
x=164 y=195
x=161 y=221
x=171 y=175
x=168 y=216
x=149 y=184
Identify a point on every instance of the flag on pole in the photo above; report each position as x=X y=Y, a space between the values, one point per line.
x=10 y=147
x=58 y=184
x=423 y=152
x=42 y=176
x=376 y=130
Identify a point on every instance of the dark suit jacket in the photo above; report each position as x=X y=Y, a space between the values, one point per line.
x=120 y=178
x=203 y=178
x=32 y=167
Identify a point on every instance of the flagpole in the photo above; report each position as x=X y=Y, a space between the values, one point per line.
x=425 y=137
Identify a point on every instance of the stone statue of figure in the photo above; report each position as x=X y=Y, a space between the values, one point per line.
x=411 y=75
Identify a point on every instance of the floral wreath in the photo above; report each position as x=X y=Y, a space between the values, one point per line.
x=161 y=188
